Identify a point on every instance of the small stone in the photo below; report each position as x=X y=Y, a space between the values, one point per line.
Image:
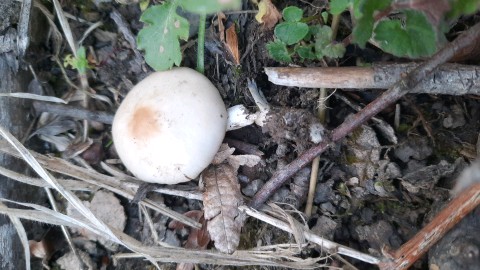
x=251 y=189
x=171 y=238
x=328 y=207
x=456 y=118
x=415 y=148
x=324 y=193
x=281 y=195
x=70 y=262
x=325 y=227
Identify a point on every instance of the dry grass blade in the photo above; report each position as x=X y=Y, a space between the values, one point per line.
x=66 y=27
x=89 y=30
x=34 y=97
x=67 y=183
x=122 y=188
x=45 y=215
x=56 y=35
x=69 y=196
x=324 y=243
x=221 y=200
x=22 y=234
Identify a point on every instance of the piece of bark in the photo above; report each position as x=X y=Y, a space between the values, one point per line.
x=13 y=116
x=448 y=79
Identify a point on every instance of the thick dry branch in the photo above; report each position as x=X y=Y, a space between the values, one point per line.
x=447 y=79
x=457 y=209
x=402 y=87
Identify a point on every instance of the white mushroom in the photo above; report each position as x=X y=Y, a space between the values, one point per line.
x=169 y=126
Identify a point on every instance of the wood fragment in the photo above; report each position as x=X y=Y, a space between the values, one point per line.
x=448 y=79
x=411 y=251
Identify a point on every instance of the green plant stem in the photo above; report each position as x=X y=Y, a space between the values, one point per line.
x=201 y=43
x=334 y=26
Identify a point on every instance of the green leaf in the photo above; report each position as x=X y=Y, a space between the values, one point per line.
x=209 y=6
x=324 y=15
x=160 y=37
x=416 y=39
x=334 y=50
x=305 y=52
x=363 y=30
x=323 y=36
x=339 y=6
x=278 y=51
x=292 y=14
x=463 y=7
x=79 y=62
x=291 y=32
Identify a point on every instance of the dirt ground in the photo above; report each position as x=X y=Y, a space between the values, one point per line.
x=374 y=191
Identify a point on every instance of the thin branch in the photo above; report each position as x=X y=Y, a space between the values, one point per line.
x=402 y=87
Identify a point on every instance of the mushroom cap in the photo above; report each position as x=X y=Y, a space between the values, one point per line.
x=169 y=127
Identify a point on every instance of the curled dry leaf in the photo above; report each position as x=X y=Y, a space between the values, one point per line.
x=197 y=238
x=232 y=43
x=228 y=36
x=221 y=199
x=225 y=154
x=268 y=14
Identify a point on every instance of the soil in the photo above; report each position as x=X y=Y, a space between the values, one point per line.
x=372 y=194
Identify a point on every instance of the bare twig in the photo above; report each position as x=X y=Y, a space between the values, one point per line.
x=402 y=87
x=448 y=79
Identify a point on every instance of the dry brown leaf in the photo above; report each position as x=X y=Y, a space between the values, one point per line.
x=225 y=154
x=268 y=14
x=232 y=43
x=221 y=27
x=221 y=199
x=197 y=238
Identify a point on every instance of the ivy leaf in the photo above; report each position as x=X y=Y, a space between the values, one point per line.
x=334 y=50
x=209 y=6
x=291 y=32
x=292 y=14
x=278 y=51
x=305 y=52
x=160 y=37
x=460 y=7
x=338 y=6
x=404 y=40
x=364 y=28
x=323 y=36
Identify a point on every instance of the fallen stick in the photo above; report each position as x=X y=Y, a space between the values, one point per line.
x=402 y=87
x=447 y=79
x=412 y=250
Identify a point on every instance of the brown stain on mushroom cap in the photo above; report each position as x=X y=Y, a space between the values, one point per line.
x=144 y=123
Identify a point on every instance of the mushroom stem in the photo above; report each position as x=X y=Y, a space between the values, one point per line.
x=239 y=116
